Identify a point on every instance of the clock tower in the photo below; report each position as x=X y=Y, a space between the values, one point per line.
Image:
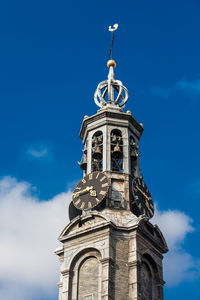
x=110 y=250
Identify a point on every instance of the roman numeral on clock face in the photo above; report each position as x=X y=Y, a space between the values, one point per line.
x=102 y=179
x=77 y=202
x=82 y=205
x=104 y=185
x=102 y=193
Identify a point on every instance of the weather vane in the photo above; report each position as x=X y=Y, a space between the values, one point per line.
x=112 y=29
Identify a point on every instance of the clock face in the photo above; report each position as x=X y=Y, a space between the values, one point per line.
x=90 y=190
x=143 y=198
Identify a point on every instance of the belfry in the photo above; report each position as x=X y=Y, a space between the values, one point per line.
x=110 y=250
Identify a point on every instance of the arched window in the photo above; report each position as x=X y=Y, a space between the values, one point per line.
x=151 y=279
x=97 y=151
x=88 y=279
x=134 y=153
x=116 y=151
x=85 y=274
x=146 y=282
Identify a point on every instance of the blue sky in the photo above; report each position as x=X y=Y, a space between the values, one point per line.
x=52 y=56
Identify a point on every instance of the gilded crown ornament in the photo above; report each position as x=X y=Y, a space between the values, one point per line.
x=111 y=93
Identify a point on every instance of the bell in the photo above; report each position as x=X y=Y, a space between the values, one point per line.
x=133 y=155
x=83 y=164
x=97 y=154
x=117 y=153
x=114 y=138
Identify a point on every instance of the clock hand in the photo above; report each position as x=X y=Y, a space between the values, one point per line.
x=137 y=187
x=84 y=192
x=87 y=189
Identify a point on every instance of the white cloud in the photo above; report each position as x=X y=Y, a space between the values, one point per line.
x=178 y=264
x=174 y=225
x=39 y=151
x=29 y=228
x=28 y=232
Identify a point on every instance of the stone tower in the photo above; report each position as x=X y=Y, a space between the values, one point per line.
x=110 y=250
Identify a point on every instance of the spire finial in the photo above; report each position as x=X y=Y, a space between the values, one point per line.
x=111 y=93
x=112 y=29
x=111 y=62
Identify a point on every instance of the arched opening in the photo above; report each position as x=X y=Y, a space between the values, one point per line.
x=146 y=282
x=97 y=151
x=116 y=143
x=88 y=279
x=151 y=289
x=85 y=272
x=134 y=153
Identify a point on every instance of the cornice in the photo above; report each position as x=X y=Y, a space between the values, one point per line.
x=111 y=115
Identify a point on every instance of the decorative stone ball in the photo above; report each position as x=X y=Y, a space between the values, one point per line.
x=111 y=63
